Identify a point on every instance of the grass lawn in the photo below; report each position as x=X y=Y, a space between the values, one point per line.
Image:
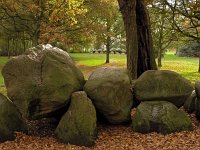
x=97 y=59
x=187 y=67
x=88 y=62
x=3 y=60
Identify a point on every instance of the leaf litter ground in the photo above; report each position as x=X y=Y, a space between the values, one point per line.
x=110 y=137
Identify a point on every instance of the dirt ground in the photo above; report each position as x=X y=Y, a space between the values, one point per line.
x=110 y=137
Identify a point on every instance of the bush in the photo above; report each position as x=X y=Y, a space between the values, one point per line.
x=189 y=51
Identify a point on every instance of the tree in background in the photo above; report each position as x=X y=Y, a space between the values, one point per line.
x=161 y=25
x=39 y=21
x=72 y=25
x=58 y=21
x=105 y=21
x=186 y=18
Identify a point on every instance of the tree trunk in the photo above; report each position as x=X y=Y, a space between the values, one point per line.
x=140 y=55
x=8 y=48
x=24 y=42
x=146 y=59
x=38 y=21
x=159 y=58
x=108 y=41
x=128 y=10
x=160 y=50
x=160 y=41
x=108 y=49
x=199 y=65
x=199 y=58
x=35 y=39
x=98 y=43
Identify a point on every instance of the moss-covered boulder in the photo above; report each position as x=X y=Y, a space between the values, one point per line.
x=10 y=120
x=197 y=88
x=162 y=85
x=197 y=108
x=197 y=104
x=41 y=80
x=190 y=103
x=110 y=91
x=78 y=125
x=160 y=116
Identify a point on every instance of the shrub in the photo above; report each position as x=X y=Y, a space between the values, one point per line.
x=189 y=51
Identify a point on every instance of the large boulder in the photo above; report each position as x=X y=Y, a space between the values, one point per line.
x=197 y=104
x=110 y=91
x=160 y=116
x=190 y=103
x=162 y=85
x=41 y=80
x=197 y=108
x=10 y=120
x=78 y=125
x=197 y=88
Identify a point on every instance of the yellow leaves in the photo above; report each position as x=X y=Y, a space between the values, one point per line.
x=67 y=11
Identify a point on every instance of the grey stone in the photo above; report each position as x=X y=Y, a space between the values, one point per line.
x=190 y=103
x=78 y=125
x=160 y=116
x=162 y=85
x=10 y=120
x=41 y=80
x=110 y=92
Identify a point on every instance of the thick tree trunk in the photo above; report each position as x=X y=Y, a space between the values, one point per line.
x=146 y=59
x=140 y=55
x=128 y=9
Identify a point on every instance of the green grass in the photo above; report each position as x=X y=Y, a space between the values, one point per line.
x=3 y=61
x=97 y=59
x=187 y=67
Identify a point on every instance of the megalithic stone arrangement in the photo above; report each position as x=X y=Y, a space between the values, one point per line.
x=45 y=82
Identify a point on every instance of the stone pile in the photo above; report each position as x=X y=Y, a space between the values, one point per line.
x=44 y=82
